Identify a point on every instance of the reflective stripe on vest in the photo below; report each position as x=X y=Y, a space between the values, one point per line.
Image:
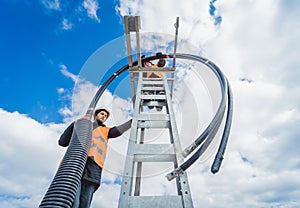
x=98 y=146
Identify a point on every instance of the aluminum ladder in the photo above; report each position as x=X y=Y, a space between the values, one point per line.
x=140 y=151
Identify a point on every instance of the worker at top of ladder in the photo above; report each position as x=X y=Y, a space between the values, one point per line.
x=91 y=177
x=161 y=63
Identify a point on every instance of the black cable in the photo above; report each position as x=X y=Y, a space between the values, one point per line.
x=209 y=133
x=220 y=154
x=223 y=85
x=62 y=190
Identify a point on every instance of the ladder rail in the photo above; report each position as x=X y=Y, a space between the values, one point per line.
x=139 y=168
x=139 y=151
x=151 y=92
x=126 y=188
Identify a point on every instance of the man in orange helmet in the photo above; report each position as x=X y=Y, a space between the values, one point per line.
x=91 y=177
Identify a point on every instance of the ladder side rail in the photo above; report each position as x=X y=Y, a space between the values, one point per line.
x=139 y=168
x=129 y=52
x=137 y=27
x=128 y=40
x=132 y=24
x=127 y=183
x=182 y=180
x=174 y=129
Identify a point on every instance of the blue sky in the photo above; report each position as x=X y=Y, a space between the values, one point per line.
x=46 y=44
x=35 y=42
x=33 y=46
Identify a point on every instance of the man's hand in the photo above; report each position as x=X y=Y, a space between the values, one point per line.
x=87 y=117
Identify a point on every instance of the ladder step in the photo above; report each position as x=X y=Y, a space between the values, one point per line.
x=154 y=103
x=154 y=149
x=153 y=79
x=154 y=153
x=154 y=124
x=153 y=82
x=152 y=88
x=147 y=69
x=153 y=117
x=155 y=201
x=135 y=78
x=155 y=158
x=153 y=97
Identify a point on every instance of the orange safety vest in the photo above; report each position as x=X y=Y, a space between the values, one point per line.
x=98 y=145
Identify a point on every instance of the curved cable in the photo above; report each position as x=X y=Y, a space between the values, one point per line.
x=62 y=190
x=209 y=133
x=223 y=85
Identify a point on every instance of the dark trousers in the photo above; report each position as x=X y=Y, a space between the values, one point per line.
x=84 y=195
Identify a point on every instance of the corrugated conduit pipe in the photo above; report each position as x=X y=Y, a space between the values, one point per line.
x=62 y=190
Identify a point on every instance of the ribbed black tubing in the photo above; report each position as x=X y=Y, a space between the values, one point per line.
x=62 y=190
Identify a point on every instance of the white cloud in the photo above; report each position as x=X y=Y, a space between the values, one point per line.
x=256 y=40
x=71 y=13
x=196 y=26
x=66 y=24
x=29 y=154
x=64 y=71
x=51 y=4
x=91 y=7
x=60 y=90
x=27 y=145
x=66 y=112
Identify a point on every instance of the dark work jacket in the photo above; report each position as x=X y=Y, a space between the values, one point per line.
x=92 y=172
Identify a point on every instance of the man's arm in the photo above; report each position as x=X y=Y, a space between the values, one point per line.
x=154 y=75
x=119 y=130
x=65 y=138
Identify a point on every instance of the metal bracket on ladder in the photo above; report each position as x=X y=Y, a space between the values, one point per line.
x=132 y=24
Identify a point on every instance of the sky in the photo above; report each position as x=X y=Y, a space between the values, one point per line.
x=55 y=53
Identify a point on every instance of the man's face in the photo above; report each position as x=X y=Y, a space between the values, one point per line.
x=148 y=64
x=101 y=116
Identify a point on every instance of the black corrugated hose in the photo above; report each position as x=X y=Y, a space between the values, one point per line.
x=62 y=190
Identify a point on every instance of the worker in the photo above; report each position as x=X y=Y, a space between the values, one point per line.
x=153 y=74
x=91 y=177
x=161 y=63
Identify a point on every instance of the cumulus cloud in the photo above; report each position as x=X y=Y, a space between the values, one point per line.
x=256 y=41
x=252 y=42
x=71 y=13
x=29 y=154
x=28 y=145
x=64 y=71
x=66 y=24
x=261 y=163
x=197 y=26
x=91 y=7
x=51 y=4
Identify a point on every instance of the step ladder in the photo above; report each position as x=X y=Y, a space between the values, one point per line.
x=140 y=151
